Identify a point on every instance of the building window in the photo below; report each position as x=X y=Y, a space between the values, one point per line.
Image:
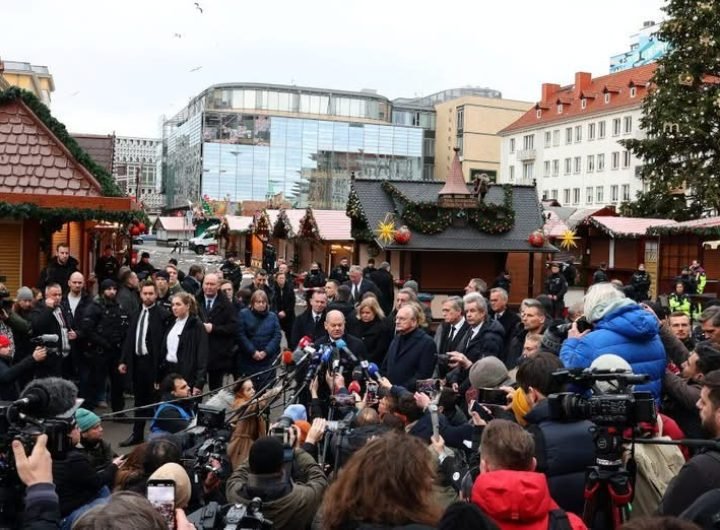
x=599 y=192
x=512 y=145
x=627 y=124
x=460 y=118
x=607 y=97
x=626 y=159
x=559 y=108
x=568 y=135
x=556 y=137
x=601 y=162
x=578 y=133
x=568 y=166
x=555 y=167
x=591 y=131
x=626 y=192
x=566 y=196
x=589 y=195
x=528 y=171
x=616 y=127
x=529 y=141
x=614 y=193
x=576 y=195
x=546 y=168
x=511 y=173
x=590 y=163
x=615 y=160
x=538 y=113
x=578 y=164
x=545 y=195
x=633 y=91
x=601 y=129
x=554 y=195
x=459 y=145
x=583 y=103
x=548 y=138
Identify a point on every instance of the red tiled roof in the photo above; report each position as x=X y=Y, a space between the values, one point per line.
x=34 y=161
x=333 y=225
x=627 y=226
x=619 y=81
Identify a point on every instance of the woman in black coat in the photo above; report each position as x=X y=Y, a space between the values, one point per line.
x=185 y=345
x=284 y=303
x=371 y=327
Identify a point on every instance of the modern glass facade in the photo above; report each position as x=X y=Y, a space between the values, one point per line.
x=251 y=156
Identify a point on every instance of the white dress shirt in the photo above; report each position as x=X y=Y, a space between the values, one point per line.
x=173 y=340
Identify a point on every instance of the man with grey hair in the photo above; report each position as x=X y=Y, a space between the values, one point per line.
x=476 y=285
x=485 y=337
x=385 y=283
x=710 y=324
x=450 y=333
x=500 y=312
x=411 y=354
x=359 y=285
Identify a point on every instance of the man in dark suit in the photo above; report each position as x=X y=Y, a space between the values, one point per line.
x=500 y=313
x=141 y=356
x=360 y=285
x=485 y=337
x=411 y=355
x=450 y=333
x=220 y=320
x=73 y=305
x=48 y=318
x=385 y=283
x=311 y=323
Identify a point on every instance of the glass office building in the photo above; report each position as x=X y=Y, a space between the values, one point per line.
x=248 y=142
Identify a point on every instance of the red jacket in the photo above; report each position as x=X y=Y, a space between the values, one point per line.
x=517 y=500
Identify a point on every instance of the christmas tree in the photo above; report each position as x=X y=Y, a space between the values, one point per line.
x=681 y=118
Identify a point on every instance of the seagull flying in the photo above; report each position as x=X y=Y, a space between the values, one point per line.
x=177 y=35
x=196 y=69
x=197 y=6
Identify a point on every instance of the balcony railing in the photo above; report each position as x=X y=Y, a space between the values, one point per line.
x=526 y=154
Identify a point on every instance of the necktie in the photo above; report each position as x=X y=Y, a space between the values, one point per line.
x=452 y=333
x=209 y=304
x=317 y=319
x=141 y=332
x=355 y=293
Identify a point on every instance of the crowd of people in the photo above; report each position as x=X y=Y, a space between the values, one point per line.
x=388 y=421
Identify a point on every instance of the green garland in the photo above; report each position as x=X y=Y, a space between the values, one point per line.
x=308 y=228
x=27 y=210
x=429 y=218
x=359 y=225
x=108 y=184
x=700 y=231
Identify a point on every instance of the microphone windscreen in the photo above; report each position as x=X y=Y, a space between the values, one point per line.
x=373 y=369
x=287 y=357
x=340 y=344
x=326 y=356
x=354 y=387
x=304 y=342
x=61 y=395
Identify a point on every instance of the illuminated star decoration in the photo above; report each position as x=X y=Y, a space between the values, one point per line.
x=567 y=241
x=386 y=229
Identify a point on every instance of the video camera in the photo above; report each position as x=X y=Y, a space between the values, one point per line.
x=620 y=409
x=231 y=517
x=210 y=424
x=49 y=342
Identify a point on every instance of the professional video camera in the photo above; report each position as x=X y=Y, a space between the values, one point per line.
x=210 y=426
x=231 y=517
x=49 y=342
x=620 y=409
x=46 y=406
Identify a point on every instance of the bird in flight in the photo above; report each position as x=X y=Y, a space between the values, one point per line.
x=197 y=6
x=177 y=35
x=196 y=69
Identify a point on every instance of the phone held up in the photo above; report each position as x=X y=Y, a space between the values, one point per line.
x=161 y=494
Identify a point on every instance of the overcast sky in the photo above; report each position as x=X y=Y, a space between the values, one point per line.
x=119 y=65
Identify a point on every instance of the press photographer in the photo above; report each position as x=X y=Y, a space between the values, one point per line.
x=11 y=373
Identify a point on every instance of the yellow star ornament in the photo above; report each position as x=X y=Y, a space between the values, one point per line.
x=386 y=229
x=567 y=241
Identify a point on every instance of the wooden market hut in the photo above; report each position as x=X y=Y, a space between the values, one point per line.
x=52 y=192
x=455 y=234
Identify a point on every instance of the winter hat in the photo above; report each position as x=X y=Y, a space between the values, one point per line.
x=296 y=412
x=520 y=406
x=162 y=274
x=4 y=341
x=176 y=473
x=552 y=340
x=24 y=293
x=86 y=419
x=107 y=284
x=488 y=372
x=610 y=361
x=266 y=456
x=144 y=255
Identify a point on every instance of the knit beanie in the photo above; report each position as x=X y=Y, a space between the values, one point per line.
x=552 y=340
x=488 y=372
x=296 y=412
x=266 y=456
x=520 y=406
x=176 y=473
x=107 y=284
x=24 y=293
x=86 y=419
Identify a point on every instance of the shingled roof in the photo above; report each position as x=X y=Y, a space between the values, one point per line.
x=376 y=203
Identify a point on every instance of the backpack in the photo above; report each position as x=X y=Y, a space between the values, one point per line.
x=558 y=520
x=656 y=466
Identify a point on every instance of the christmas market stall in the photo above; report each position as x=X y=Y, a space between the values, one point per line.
x=442 y=234
x=52 y=192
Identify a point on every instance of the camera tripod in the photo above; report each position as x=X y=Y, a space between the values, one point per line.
x=608 y=484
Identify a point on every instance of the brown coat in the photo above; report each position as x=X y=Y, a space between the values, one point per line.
x=246 y=431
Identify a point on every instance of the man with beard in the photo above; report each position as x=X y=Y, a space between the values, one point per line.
x=172 y=416
x=107 y=266
x=58 y=271
x=702 y=472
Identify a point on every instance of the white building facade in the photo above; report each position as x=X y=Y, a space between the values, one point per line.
x=569 y=142
x=136 y=169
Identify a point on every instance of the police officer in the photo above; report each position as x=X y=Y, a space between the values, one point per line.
x=555 y=287
x=104 y=325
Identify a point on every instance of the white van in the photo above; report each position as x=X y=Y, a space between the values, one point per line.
x=201 y=242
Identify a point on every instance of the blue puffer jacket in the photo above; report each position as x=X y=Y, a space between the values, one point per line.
x=257 y=332
x=628 y=331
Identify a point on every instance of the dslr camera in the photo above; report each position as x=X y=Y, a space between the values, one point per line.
x=49 y=342
x=231 y=517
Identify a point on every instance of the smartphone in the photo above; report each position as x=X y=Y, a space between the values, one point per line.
x=492 y=396
x=428 y=386
x=371 y=391
x=484 y=412
x=161 y=494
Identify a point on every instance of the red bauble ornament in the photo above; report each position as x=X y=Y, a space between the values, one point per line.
x=402 y=235
x=134 y=231
x=141 y=227
x=537 y=239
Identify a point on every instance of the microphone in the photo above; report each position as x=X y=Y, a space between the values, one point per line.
x=326 y=356
x=304 y=342
x=287 y=357
x=354 y=387
x=341 y=345
x=374 y=371
x=47 y=398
